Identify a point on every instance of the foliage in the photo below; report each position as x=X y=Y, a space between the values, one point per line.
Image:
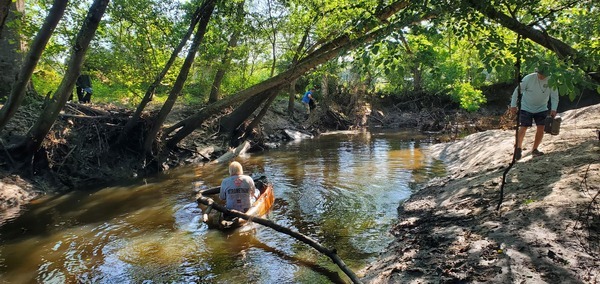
x=454 y=53
x=470 y=99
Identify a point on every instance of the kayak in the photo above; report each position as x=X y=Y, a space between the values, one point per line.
x=214 y=218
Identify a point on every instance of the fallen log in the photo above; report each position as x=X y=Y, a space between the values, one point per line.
x=231 y=154
x=331 y=253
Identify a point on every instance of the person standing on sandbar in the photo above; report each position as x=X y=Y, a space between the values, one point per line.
x=534 y=107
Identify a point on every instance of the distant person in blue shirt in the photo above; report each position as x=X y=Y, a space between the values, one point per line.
x=534 y=107
x=308 y=100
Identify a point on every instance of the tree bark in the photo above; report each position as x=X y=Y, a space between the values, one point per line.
x=321 y=55
x=12 y=46
x=231 y=122
x=133 y=121
x=261 y=114
x=325 y=89
x=292 y=88
x=225 y=61
x=38 y=132
x=181 y=78
x=292 y=98
x=241 y=115
x=416 y=68
x=33 y=56
x=272 y=38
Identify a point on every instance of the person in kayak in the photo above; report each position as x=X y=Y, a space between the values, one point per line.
x=238 y=190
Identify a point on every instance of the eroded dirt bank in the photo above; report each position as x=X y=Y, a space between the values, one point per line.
x=546 y=231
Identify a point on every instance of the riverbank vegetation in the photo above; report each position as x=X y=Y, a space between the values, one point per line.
x=225 y=63
x=182 y=81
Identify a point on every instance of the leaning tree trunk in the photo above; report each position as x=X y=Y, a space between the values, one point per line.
x=254 y=124
x=225 y=61
x=561 y=49
x=12 y=46
x=231 y=122
x=325 y=53
x=33 y=56
x=236 y=130
x=35 y=136
x=181 y=78
x=133 y=121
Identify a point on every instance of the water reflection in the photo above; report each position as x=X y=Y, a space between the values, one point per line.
x=342 y=190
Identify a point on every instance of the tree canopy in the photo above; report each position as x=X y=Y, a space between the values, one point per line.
x=156 y=52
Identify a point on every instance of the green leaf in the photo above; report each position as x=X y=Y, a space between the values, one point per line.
x=375 y=49
x=366 y=60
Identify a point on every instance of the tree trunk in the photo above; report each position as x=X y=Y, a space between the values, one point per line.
x=417 y=77
x=220 y=74
x=133 y=121
x=292 y=88
x=12 y=46
x=4 y=8
x=33 y=56
x=181 y=78
x=292 y=98
x=325 y=89
x=261 y=114
x=38 y=132
x=273 y=39
x=416 y=68
x=561 y=49
x=321 y=55
x=233 y=41
x=231 y=122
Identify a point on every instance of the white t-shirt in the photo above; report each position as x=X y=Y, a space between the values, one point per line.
x=239 y=192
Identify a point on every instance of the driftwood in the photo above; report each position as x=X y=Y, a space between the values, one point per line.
x=303 y=238
x=86 y=116
x=297 y=135
x=232 y=153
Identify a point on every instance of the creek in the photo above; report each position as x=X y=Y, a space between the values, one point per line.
x=340 y=189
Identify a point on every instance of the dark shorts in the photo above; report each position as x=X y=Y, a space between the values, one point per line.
x=526 y=118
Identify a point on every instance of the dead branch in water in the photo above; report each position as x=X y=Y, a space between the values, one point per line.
x=331 y=253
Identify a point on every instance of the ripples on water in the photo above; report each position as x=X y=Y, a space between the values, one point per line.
x=342 y=190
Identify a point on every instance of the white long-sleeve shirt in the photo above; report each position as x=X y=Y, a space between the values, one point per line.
x=536 y=94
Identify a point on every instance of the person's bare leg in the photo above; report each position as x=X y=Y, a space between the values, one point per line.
x=521 y=136
x=539 y=134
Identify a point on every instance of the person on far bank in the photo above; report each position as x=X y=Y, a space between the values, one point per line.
x=534 y=107
x=307 y=99
x=238 y=190
x=84 y=88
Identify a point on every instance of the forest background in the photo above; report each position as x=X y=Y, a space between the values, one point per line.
x=226 y=62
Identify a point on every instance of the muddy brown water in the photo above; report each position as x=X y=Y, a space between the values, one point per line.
x=342 y=190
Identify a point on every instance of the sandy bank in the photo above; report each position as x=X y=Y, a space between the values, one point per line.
x=546 y=231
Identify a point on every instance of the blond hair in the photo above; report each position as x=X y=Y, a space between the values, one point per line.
x=235 y=168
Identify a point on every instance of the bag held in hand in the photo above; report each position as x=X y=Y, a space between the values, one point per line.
x=552 y=125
